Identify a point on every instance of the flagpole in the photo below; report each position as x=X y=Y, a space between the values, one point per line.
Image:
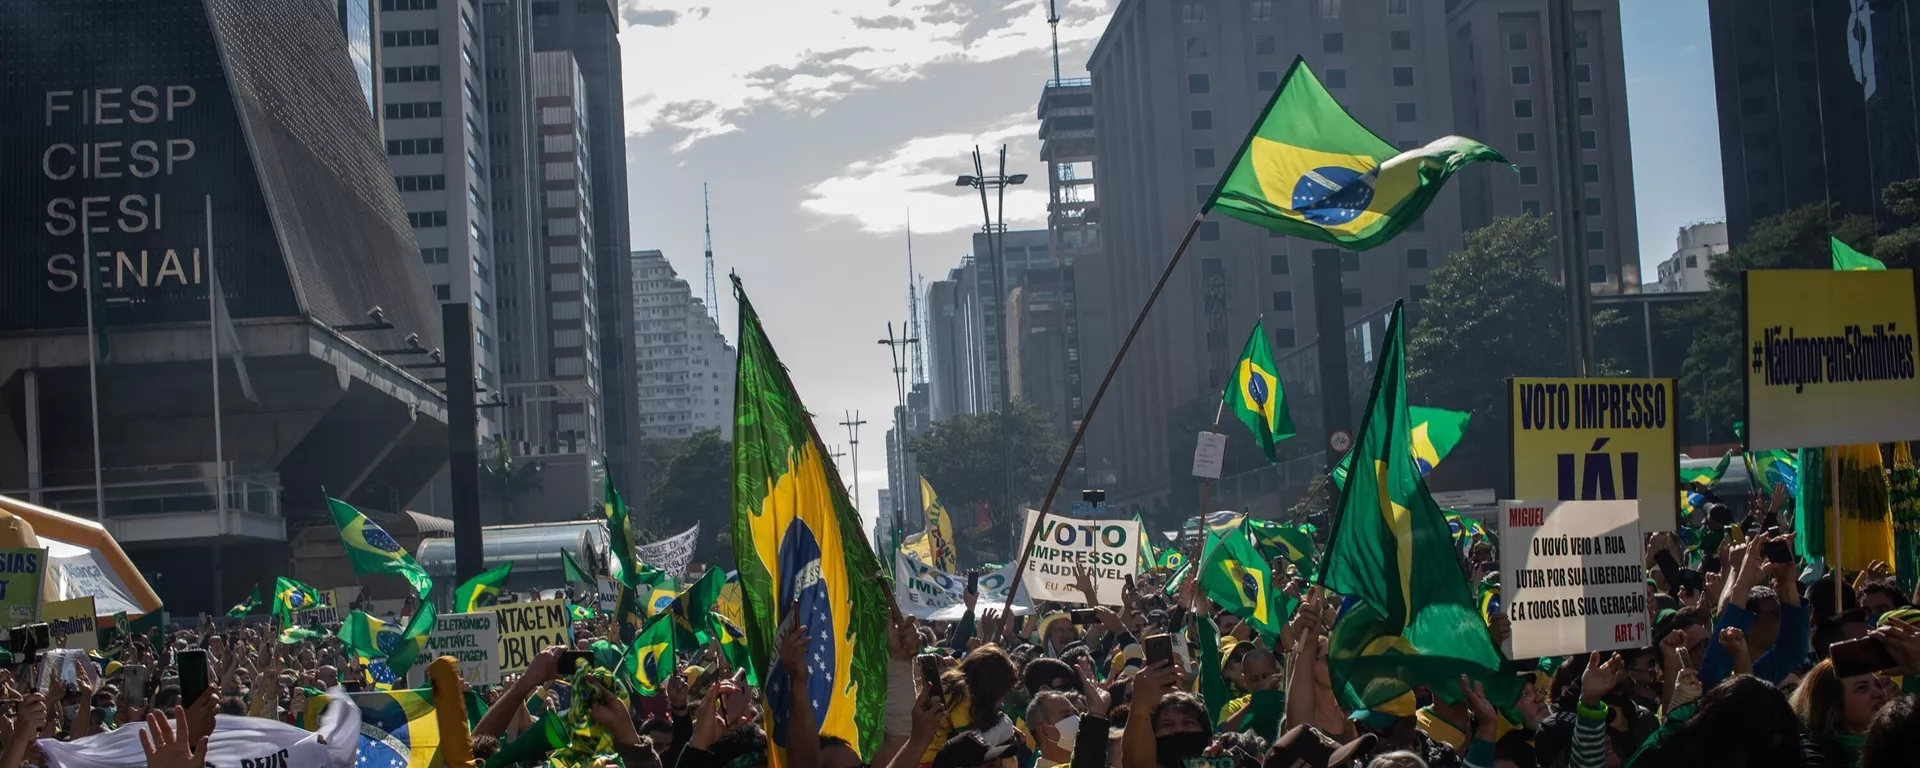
x=1080 y=432
x=1833 y=496
x=213 y=336
x=93 y=372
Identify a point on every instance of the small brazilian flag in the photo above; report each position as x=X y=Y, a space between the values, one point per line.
x=1310 y=170
x=580 y=612
x=649 y=660
x=1846 y=259
x=290 y=595
x=1236 y=578
x=1255 y=396
x=371 y=550
x=574 y=573
x=482 y=590
x=251 y=604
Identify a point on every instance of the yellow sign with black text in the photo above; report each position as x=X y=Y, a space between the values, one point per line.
x=1830 y=358
x=1596 y=440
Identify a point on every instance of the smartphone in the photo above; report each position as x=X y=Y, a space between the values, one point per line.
x=1084 y=616
x=27 y=641
x=1860 y=657
x=1158 y=648
x=1130 y=586
x=1669 y=568
x=193 y=674
x=973 y=582
x=1737 y=534
x=1777 y=551
x=930 y=672
x=136 y=681
x=570 y=661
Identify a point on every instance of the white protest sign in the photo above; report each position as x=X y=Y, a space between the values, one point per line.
x=82 y=575
x=607 y=592
x=1571 y=577
x=473 y=639
x=528 y=628
x=926 y=592
x=1209 y=453
x=672 y=553
x=1108 y=549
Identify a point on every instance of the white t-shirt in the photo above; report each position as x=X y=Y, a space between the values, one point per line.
x=236 y=742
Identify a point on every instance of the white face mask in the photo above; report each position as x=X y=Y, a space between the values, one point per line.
x=1068 y=729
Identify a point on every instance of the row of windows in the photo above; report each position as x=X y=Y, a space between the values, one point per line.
x=416 y=146
x=1403 y=112
x=433 y=255
x=408 y=5
x=424 y=183
x=421 y=74
x=1263 y=10
x=1589 y=173
x=409 y=37
x=427 y=218
x=1523 y=108
x=412 y=109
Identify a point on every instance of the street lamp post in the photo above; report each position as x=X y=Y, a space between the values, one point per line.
x=898 y=348
x=995 y=228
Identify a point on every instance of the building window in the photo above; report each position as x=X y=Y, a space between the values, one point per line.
x=1264 y=45
x=1336 y=77
x=1530 y=208
x=441 y=292
x=1405 y=112
x=433 y=255
x=1417 y=293
x=1596 y=240
x=1590 y=173
x=1283 y=338
x=1586 y=106
x=1396 y=7
x=1209 y=230
x=1522 y=74
x=415 y=146
x=408 y=5
x=1523 y=108
x=1403 y=77
x=1529 y=175
x=1266 y=79
x=1199 y=83
x=1201 y=192
x=1349 y=261
x=1752 y=106
x=1596 y=273
x=1516 y=41
x=1333 y=42
x=1591 y=207
x=1400 y=40
x=1350 y=297
x=1416 y=258
x=1580 y=37
x=427 y=219
x=1193 y=13
x=423 y=183
x=1589 y=140
x=1203 y=157
x=1278 y=264
x=1262 y=10
x=413 y=109
x=409 y=37
x=1583 y=73
x=1202 y=119
x=425 y=74
x=1693 y=260
x=1524 y=141
x=1196 y=47
x=1283 y=301
x=1330 y=9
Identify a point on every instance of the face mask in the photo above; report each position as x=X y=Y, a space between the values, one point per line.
x=106 y=714
x=1170 y=749
x=1068 y=728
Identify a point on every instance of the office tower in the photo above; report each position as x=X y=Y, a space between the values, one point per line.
x=684 y=366
x=589 y=29
x=520 y=266
x=1177 y=84
x=1019 y=250
x=362 y=28
x=1073 y=228
x=430 y=85
x=568 y=240
x=953 y=323
x=1816 y=105
x=1045 y=345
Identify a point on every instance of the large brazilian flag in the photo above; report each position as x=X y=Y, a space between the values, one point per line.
x=798 y=545
x=371 y=550
x=1310 y=170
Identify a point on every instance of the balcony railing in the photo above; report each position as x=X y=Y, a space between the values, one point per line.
x=173 y=489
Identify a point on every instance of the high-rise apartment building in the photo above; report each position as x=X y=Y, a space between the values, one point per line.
x=1177 y=83
x=568 y=196
x=1019 y=250
x=1073 y=227
x=953 y=331
x=1694 y=249
x=684 y=364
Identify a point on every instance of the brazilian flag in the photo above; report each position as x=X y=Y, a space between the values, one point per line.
x=1255 y=397
x=406 y=728
x=692 y=606
x=294 y=635
x=649 y=658
x=290 y=595
x=1435 y=433
x=733 y=646
x=626 y=559
x=1412 y=618
x=1292 y=542
x=580 y=612
x=482 y=590
x=1171 y=559
x=242 y=609
x=413 y=639
x=797 y=540
x=574 y=573
x=362 y=634
x=1846 y=259
x=1236 y=578
x=1308 y=169
x=372 y=551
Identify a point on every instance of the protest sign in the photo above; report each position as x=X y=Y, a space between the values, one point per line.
x=1108 y=549
x=71 y=623
x=1596 y=440
x=20 y=573
x=672 y=553
x=606 y=592
x=926 y=592
x=1571 y=577
x=473 y=639
x=1209 y=454
x=80 y=574
x=528 y=628
x=1830 y=358
x=327 y=615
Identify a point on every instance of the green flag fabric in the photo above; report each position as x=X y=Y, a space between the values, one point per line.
x=251 y=604
x=290 y=595
x=691 y=609
x=1149 y=554
x=1846 y=259
x=1434 y=434
x=413 y=639
x=372 y=551
x=800 y=551
x=1235 y=577
x=626 y=560
x=1704 y=476
x=1255 y=395
x=1292 y=542
x=1308 y=169
x=296 y=635
x=1412 y=619
x=361 y=634
x=574 y=573
x=650 y=657
x=482 y=590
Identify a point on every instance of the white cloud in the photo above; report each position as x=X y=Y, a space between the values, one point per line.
x=697 y=69
x=918 y=175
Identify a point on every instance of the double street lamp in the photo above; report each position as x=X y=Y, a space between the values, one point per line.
x=996 y=228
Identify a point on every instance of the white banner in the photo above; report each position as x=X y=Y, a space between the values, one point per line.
x=926 y=592
x=1109 y=549
x=1571 y=577
x=474 y=639
x=672 y=553
x=82 y=575
x=606 y=592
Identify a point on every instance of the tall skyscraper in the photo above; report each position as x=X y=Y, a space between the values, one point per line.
x=684 y=364
x=362 y=28
x=1019 y=250
x=1177 y=83
x=953 y=326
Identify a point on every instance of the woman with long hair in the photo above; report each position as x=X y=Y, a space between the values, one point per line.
x=1837 y=711
x=1742 y=722
x=974 y=693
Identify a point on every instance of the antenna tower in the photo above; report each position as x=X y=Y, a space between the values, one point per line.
x=1053 y=24
x=913 y=308
x=713 y=295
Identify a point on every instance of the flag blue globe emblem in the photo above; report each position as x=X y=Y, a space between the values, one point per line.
x=1257 y=390
x=378 y=539
x=800 y=561
x=1332 y=195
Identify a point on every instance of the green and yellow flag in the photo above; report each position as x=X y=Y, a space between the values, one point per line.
x=1308 y=169
x=413 y=639
x=372 y=551
x=1292 y=542
x=572 y=570
x=1435 y=433
x=626 y=559
x=691 y=609
x=361 y=634
x=1256 y=397
x=1846 y=259
x=1412 y=619
x=798 y=546
x=1237 y=579
x=649 y=659
x=290 y=595
x=480 y=591
x=939 y=530
x=242 y=609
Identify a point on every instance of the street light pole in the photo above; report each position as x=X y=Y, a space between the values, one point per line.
x=852 y=424
x=897 y=346
x=995 y=228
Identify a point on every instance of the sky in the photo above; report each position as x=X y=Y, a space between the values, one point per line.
x=823 y=127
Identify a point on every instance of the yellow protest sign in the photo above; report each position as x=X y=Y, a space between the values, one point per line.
x=1596 y=440
x=527 y=628
x=1829 y=358
x=71 y=624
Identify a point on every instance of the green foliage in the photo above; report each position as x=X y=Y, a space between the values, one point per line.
x=695 y=485
x=1004 y=459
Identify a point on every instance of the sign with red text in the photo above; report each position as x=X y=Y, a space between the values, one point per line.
x=1571 y=577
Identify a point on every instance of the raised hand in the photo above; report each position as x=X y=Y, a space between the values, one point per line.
x=1601 y=678
x=167 y=749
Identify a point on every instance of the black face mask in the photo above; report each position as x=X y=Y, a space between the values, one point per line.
x=1170 y=749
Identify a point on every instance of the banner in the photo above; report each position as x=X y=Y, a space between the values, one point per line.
x=71 y=623
x=329 y=614
x=1830 y=358
x=1107 y=548
x=1571 y=577
x=473 y=639
x=81 y=575
x=672 y=553
x=926 y=592
x=606 y=592
x=528 y=628
x=20 y=573
x=1596 y=440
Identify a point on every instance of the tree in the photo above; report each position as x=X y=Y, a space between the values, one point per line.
x=695 y=486
x=1003 y=459
x=504 y=478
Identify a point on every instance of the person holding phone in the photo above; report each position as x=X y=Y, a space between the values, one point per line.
x=1837 y=709
x=1792 y=641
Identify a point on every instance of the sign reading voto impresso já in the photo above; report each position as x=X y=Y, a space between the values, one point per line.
x=1830 y=358
x=1596 y=440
